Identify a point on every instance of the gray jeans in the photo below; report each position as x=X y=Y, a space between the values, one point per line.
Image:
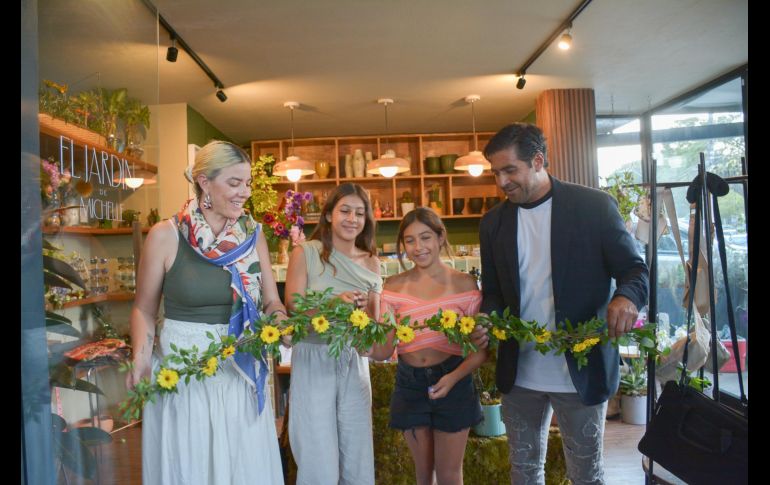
x=527 y=416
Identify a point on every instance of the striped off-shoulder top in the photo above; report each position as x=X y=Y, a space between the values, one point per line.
x=465 y=303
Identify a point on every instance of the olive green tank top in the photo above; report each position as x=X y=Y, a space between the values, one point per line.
x=195 y=290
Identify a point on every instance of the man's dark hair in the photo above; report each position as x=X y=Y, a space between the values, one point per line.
x=526 y=138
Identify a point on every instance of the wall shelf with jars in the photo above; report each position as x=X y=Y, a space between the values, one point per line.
x=430 y=182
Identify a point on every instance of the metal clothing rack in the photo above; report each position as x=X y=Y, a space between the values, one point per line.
x=652 y=308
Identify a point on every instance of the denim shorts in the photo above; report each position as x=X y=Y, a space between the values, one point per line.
x=410 y=406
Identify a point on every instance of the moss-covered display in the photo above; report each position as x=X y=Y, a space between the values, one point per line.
x=486 y=459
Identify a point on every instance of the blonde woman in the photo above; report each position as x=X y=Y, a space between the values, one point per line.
x=211 y=264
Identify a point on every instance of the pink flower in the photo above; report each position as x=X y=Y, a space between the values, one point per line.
x=279 y=228
x=639 y=323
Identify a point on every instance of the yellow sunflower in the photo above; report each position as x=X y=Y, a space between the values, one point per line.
x=211 y=366
x=228 y=351
x=269 y=334
x=448 y=319
x=499 y=333
x=543 y=337
x=288 y=330
x=359 y=319
x=467 y=324
x=320 y=324
x=578 y=347
x=405 y=334
x=167 y=378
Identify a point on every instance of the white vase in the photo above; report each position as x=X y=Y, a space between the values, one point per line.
x=406 y=207
x=359 y=164
x=633 y=409
x=369 y=159
x=349 y=166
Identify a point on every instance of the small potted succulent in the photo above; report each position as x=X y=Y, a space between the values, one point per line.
x=491 y=407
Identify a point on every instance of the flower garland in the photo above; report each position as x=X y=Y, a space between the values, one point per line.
x=341 y=324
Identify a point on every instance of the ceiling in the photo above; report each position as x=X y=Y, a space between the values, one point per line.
x=337 y=57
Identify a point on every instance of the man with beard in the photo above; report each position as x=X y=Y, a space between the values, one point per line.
x=549 y=253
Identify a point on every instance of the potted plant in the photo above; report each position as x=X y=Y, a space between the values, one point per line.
x=114 y=107
x=621 y=186
x=407 y=203
x=633 y=390
x=137 y=117
x=489 y=396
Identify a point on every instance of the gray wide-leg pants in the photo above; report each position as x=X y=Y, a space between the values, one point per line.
x=330 y=416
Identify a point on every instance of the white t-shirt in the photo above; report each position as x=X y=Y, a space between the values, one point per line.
x=536 y=371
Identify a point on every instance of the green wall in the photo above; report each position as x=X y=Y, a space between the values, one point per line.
x=200 y=131
x=461 y=231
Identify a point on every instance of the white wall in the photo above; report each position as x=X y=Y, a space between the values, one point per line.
x=169 y=135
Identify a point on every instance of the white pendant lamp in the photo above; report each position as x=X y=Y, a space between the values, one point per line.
x=136 y=179
x=293 y=168
x=388 y=165
x=474 y=162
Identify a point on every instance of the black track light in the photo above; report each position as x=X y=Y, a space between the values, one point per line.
x=221 y=95
x=521 y=82
x=172 y=52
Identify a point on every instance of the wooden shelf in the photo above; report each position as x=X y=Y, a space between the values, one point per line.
x=91 y=231
x=81 y=136
x=456 y=185
x=117 y=296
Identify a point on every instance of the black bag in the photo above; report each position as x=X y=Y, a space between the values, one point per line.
x=696 y=438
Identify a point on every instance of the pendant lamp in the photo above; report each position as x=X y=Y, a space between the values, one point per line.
x=474 y=162
x=293 y=168
x=388 y=165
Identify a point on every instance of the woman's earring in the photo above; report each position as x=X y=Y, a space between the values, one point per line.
x=206 y=203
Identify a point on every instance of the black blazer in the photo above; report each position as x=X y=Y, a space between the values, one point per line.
x=589 y=246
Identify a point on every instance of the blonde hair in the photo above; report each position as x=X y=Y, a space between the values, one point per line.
x=212 y=158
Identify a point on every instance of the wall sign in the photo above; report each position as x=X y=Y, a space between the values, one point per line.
x=105 y=171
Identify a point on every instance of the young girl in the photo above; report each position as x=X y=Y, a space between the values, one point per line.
x=434 y=401
x=330 y=425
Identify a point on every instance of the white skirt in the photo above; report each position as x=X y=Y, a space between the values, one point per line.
x=210 y=432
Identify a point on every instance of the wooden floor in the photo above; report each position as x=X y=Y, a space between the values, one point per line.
x=121 y=461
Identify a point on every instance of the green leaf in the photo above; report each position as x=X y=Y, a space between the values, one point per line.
x=56 y=281
x=62 y=270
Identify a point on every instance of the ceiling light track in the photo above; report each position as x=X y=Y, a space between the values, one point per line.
x=185 y=47
x=566 y=25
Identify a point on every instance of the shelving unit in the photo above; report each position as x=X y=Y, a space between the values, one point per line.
x=115 y=296
x=413 y=147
